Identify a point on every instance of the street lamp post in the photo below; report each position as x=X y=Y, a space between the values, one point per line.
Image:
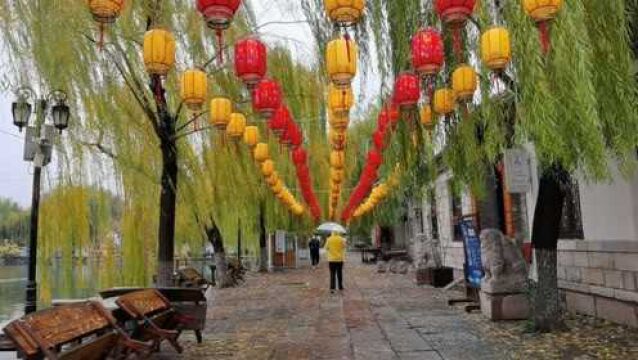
x=37 y=149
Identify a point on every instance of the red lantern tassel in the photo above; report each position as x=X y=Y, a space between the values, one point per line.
x=457 y=42
x=220 y=43
x=543 y=28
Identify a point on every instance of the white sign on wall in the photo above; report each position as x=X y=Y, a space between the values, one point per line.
x=518 y=174
x=280 y=241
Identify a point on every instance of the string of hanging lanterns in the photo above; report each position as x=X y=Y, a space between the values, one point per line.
x=378 y=194
x=261 y=154
x=251 y=66
x=386 y=122
x=250 y=63
x=341 y=64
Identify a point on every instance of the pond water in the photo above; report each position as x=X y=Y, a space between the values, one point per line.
x=58 y=281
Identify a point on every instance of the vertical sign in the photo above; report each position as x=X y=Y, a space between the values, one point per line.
x=518 y=176
x=473 y=265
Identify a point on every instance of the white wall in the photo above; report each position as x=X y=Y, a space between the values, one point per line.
x=610 y=210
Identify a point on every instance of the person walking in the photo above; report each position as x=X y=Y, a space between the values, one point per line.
x=314 y=246
x=335 y=249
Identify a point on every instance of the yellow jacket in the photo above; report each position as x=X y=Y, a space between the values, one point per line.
x=335 y=248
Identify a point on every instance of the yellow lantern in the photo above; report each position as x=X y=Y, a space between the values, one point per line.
x=105 y=11
x=338 y=139
x=340 y=100
x=496 y=49
x=464 y=82
x=542 y=10
x=444 y=101
x=297 y=209
x=194 y=88
x=341 y=61
x=278 y=187
x=426 y=116
x=345 y=12
x=236 y=126
x=159 y=51
x=261 y=152
x=251 y=136
x=336 y=176
x=337 y=159
x=272 y=179
x=339 y=122
x=267 y=168
x=382 y=190
x=219 y=113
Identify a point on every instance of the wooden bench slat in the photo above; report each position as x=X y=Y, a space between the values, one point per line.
x=76 y=331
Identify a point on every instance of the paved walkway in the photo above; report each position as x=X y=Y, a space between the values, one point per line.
x=292 y=315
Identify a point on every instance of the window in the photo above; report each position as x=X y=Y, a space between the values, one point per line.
x=571 y=226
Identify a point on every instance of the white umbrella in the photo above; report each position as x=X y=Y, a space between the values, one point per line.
x=331 y=227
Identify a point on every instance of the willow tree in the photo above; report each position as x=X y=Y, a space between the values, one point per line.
x=574 y=105
x=137 y=124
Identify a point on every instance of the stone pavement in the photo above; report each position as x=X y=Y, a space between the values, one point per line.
x=292 y=315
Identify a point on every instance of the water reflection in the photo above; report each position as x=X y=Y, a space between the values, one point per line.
x=65 y=280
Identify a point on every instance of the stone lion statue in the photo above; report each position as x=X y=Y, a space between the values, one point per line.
x=503 y=263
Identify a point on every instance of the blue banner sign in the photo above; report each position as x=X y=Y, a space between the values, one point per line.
x=473 y=264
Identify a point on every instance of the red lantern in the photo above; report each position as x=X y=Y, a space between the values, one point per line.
x=455 y=14
x=378 y=138
x=375 y=159
x=299 y=157
x=266 y=97
x=279 y=121
x=389 y=116
x=407 y=90
x=250 y=61
x=289 y=133
x=295 y=136
x=428 y=52
x=218 y=15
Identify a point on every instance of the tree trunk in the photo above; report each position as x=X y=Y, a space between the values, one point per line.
x=168 y=199
x=545 y=233
x=263 y=242
x=221 y=272
x=489 y=214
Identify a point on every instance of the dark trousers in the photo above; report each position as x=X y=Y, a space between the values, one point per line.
x=336 y=274
x=314 y=257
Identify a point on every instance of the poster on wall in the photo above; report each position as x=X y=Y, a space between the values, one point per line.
x=473 y=264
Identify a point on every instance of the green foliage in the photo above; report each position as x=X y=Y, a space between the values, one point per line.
x=14 y=222
x=9 y=249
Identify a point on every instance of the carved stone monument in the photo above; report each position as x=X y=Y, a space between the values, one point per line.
x=503 y=289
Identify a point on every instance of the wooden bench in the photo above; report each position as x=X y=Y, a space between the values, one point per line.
x=82 y=331
x=190 y=277
x=190 y=303
x=155 y=316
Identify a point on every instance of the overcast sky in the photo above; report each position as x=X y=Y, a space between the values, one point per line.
x=15 y=174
